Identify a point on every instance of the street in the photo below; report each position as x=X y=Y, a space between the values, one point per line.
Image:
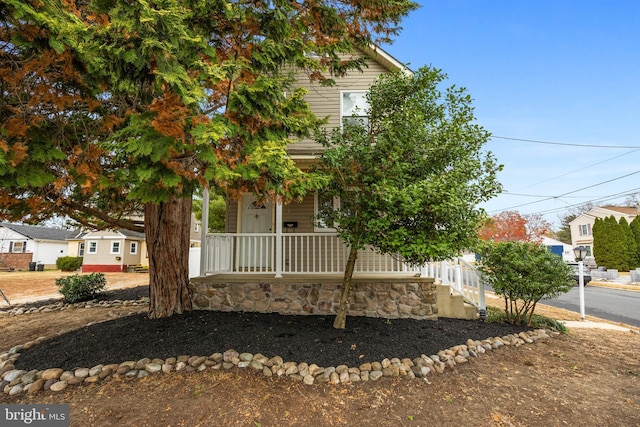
x=611 y=304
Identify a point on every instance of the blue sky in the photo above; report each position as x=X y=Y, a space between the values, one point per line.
x=558 y=71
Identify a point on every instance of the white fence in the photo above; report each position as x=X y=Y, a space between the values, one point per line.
x=325 y=253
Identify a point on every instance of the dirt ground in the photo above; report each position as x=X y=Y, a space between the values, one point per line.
x=25 y=286
x=588 y=377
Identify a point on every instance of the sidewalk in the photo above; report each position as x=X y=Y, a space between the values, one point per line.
x=623 y=281
x=597 y=325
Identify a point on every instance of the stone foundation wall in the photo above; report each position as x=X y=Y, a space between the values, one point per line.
x=388 y=298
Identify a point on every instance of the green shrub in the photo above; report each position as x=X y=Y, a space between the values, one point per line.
x=524 y=273
x=69 y=263
x=538 y=321
x=78 y=288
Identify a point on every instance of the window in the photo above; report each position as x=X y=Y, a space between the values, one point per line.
x=196 y=227
x=354 y=107
x=585 y=229
x=115 y=247
x=18 y=247
x=93 y=248
x=324 y=201
x=133 y=248
x=81 y=249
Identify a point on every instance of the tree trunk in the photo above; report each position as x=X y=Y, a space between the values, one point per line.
x=341 y=318
x=167 y=228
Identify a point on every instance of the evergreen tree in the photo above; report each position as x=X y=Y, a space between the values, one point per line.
x=599 y=242
x=628 y=245
x=114 y=108
x=635 y=229
x=615 y=242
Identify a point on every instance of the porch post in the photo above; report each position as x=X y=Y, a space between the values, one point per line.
x=278 y=238
x=203 y=231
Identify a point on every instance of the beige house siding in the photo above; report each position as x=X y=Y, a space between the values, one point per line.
x=325 y=101
x=300 y=212
x=231 y=218
x=73 y=247
x=103 y=253
x=127 y=257
x=104 y=259
x=144 y=254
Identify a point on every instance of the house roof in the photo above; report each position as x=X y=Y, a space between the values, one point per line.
x=40 y=233
x=624 y=210
x=385 y=59
x=627 y=210
x=118 y=232
x=131 y=234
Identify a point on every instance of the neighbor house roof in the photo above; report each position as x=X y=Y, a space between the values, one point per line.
x=40 y=233
x=131 y=234
x=119 y=232
x=627 y=210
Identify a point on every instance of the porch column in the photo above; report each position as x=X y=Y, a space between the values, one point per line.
x=203 y=231
x=278 y=238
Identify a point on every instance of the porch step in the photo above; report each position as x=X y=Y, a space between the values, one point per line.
x=454 y=306
x=137 y=269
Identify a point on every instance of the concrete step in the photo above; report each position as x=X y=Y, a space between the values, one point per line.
x=453 y=306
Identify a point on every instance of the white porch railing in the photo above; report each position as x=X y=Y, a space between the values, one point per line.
x=324 y=253
x=462 y=277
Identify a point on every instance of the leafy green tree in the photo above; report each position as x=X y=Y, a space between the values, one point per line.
x=217 y=212
x=524 y=273
x=409 y=178
x=111 y=109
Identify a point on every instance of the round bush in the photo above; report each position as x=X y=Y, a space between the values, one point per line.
x=78 y=288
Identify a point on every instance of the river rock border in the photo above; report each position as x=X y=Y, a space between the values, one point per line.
x=16 y=381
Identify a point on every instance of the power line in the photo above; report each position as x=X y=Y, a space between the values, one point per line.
x=564 y=143
x=540 y=195
x=581 y=169
x=594 y=201
x=567 y=193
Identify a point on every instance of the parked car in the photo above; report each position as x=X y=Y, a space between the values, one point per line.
x=586 y=273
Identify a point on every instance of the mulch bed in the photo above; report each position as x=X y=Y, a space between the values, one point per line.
x=310 y=339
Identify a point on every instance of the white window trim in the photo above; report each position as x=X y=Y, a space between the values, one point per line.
x=95 y=248
x=22 y=244
x=81 y=249
x=113 y=243
x=342 y=116
x=133 y=248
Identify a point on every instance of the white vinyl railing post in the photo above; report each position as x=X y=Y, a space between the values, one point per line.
x=278 y=245
x=444 y=274
x=458 y=278
x=203 y=232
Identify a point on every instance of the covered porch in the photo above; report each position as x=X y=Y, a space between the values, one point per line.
x=284 y=257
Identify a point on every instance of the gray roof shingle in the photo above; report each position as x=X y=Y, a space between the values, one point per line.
x=40 y=233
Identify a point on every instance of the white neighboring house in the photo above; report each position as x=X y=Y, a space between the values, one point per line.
x=582 y=225
x=21 y=245
x=564 y=250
